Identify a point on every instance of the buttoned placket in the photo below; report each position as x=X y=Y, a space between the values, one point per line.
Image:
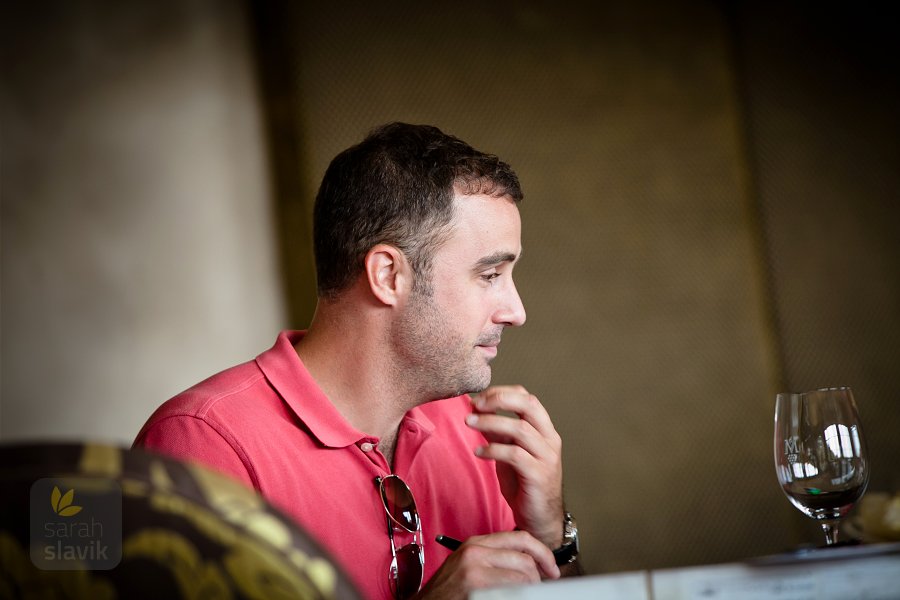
x=369 y=449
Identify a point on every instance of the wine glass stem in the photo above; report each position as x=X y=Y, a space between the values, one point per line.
x=831 y=532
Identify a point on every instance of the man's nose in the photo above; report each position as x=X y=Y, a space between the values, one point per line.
x=512 y=312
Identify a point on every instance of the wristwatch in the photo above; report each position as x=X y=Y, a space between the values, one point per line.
x=566 y=553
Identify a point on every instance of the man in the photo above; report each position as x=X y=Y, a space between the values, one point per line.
x=415 y=235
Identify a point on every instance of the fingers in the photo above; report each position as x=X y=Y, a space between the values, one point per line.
x=516 y=399
x=500 y=431
x=533 y=432
x=507 y=558
x=514 y=551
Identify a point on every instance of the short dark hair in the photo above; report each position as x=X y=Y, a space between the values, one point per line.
x=396 y=187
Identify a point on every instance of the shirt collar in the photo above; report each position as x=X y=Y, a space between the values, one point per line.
x=288 y=375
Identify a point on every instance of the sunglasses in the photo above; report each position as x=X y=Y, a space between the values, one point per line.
x=407 y=564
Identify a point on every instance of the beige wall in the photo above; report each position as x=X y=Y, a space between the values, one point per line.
x=137 y=254
x=666 y=302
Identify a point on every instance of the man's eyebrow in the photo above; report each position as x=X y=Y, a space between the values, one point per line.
x=492 y=260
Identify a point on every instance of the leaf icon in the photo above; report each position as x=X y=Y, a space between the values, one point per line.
x=54 y=499
x=62 y=503
x=70 y=511
x=66 y=500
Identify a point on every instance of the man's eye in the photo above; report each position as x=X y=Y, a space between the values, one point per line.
x=490 y=276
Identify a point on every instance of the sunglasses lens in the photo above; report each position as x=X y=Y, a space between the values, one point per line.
x=407 y=566
x=398 y=501
x=408 y=578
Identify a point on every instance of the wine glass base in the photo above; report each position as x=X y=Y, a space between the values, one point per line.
x=839 y=544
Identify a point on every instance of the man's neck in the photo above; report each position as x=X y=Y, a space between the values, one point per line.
x=354 y=372
x=386 y=445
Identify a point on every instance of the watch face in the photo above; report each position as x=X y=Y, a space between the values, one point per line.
x=570 y=536
x=570 y=532
x=566 y=553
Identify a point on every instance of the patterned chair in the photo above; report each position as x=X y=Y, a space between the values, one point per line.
x=93 y=521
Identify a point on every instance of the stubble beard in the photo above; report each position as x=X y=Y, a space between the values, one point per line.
x=436 y=360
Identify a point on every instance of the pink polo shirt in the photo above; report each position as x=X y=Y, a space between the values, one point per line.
x=267 y=423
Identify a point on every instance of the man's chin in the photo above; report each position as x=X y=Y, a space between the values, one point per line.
x=473 y=386
x=482 y=384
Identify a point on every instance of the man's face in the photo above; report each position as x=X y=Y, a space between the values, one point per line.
x=449 y=338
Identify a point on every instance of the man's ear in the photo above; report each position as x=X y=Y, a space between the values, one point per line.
x=389 y=274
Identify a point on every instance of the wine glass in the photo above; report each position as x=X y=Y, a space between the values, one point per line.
x=820 y=454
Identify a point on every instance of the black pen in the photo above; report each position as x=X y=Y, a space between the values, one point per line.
x=448 y=542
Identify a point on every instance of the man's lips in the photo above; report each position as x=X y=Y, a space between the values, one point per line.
x=488 y=343
x=489 y=349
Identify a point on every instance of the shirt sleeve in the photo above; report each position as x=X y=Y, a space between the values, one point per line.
x=194 y=439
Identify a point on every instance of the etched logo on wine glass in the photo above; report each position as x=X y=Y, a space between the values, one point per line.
x=792 y=450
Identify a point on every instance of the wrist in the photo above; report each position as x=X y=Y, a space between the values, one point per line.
x=556 y=535
x=552 y=531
